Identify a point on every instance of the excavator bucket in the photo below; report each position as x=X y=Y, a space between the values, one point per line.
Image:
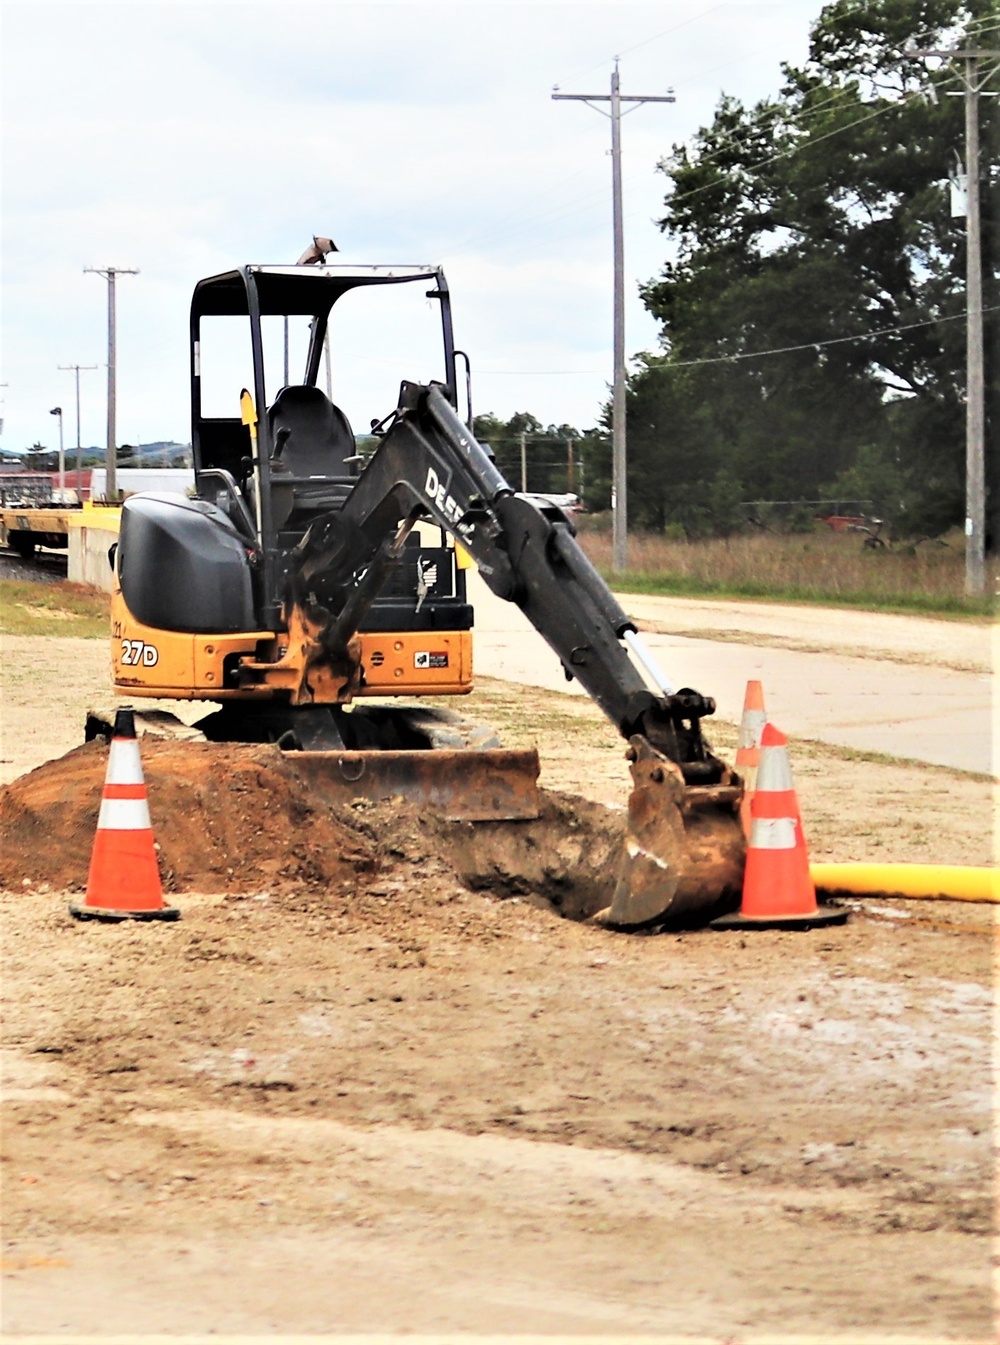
x=459 y=772
x=458 y=785
x=685 y=849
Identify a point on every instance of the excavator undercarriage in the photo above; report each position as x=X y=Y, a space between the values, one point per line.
x=301 y=580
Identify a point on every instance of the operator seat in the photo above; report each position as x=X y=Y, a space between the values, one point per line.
x=314 y=457
x=310 y=435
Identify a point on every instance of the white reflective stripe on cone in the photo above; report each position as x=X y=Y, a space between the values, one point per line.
x=774 y=774
x=751 y=727
x=124 y=763
x=124 y=815
x=773 y=833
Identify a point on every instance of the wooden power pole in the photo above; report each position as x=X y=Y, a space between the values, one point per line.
x=619 y=486
x=972 y=64
x=111 y=464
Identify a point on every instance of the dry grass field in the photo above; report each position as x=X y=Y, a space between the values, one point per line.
x=817 y=566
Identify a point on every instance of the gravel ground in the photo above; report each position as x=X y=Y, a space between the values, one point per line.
x=355 y=1088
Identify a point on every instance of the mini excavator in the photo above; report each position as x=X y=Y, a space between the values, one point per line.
x=313 y=570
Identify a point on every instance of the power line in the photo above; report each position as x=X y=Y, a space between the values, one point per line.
x=667 y=31
x=736 y=141
x=732 y=142
x=988 y=24
x=547 y=373
x=797 y=149
x=500 y=225
x=815 y=345
x=815 y=110
x=723 y=65
x=740 y=141
x=646 y=41
x=563 y=207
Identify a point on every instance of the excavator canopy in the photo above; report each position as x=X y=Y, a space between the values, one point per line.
x=298 y=289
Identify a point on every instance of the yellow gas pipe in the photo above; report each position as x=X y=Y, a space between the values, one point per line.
x=909 y=880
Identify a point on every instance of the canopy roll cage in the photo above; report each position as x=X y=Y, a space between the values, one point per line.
x=254 y=292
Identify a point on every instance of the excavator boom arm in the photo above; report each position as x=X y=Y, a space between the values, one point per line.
x=429 y=464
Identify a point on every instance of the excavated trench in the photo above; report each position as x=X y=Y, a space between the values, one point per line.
x=240 y=818
x=566 y=860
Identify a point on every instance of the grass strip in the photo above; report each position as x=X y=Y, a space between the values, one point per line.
x=905 y=604
x=54 y=609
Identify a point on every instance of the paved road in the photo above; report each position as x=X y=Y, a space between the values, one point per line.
x=909 y=687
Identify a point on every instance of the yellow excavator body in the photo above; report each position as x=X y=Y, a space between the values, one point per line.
x=177 y=665
x=315 y=568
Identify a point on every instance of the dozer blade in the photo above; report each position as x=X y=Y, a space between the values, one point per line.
x=457 y=785
x=685 y=849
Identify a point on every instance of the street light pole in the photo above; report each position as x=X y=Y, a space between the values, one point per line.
x=57 y=411
x=111 y=462
x=79 y=452
x=619 y=486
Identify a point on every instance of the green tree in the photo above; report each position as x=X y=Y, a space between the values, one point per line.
x=817 y=223
x=548 y=456
x=38 y=458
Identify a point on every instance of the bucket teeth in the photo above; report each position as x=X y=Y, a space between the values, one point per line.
x=684 y=849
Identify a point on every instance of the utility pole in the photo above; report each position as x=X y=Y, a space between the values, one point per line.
x=79 y=452
x=619 y=486
x=57 y=411
x=974 y=79
x=524 y=462
x=109 y=273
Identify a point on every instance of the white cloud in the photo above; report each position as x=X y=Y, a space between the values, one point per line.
x=185 y=139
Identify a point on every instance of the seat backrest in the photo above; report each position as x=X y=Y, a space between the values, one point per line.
x=310 y=435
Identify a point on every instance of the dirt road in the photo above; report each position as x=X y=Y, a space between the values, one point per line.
x=910 y=687
x=347 y=1092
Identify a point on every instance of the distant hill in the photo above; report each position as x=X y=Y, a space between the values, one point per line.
x=159 y=453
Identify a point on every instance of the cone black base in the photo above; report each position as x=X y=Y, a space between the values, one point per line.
x=97 y=913
x=825 y=915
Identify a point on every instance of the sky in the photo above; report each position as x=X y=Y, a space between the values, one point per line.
x=185 y=139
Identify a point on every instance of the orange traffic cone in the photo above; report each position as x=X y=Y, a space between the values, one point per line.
x=124 y=879
x=778 y=892
x=748 y=747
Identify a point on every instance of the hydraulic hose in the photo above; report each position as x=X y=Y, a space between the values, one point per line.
x=909 y=880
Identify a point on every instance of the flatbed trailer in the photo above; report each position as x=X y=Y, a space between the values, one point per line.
x=25 y=530
x=36 y=512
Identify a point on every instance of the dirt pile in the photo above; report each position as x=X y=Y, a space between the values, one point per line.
x=226 y=818
x=241 y=819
